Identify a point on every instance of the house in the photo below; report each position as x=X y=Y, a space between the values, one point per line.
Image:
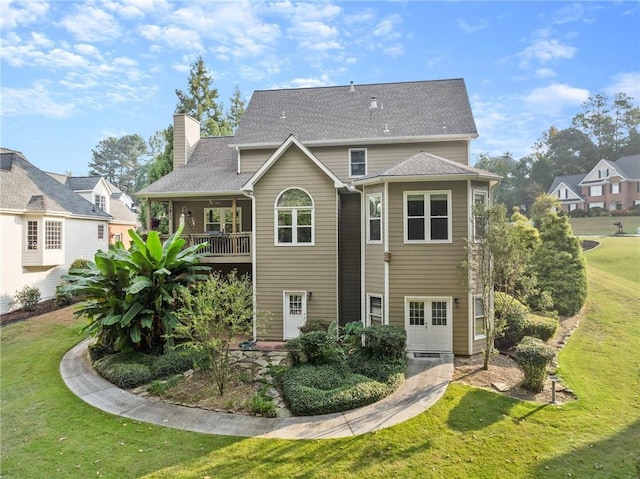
x=44 y=227
x=110 y=199
x=613 y=185
x=347 y=203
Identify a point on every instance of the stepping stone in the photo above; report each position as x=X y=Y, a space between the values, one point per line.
x=502 y=387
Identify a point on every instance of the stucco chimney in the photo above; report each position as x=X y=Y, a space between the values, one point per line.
x=186 y=134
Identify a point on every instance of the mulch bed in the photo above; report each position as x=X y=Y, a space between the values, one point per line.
x=21 y=314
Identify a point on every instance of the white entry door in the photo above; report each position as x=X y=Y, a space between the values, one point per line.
x=428 y=324
x=295 y=313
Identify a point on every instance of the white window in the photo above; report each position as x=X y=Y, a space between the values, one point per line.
x=421 y=311
x=416 y=312
x=478 y=319
x=220 y=220
x=53 y=235
x=100 y=201
x=294 y=218
x=596 y=205
x=357 y=162
x=374 y=218
x=479 y=201
x=374 y=310
x=32 y=235
x=100 y=231
x=117 y=237
x=615 y=188
x=595 y=190
x=427 y=216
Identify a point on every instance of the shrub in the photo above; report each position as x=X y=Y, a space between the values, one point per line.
x=316 y=347
x=596 y=211
x=125 y=370
x=382 y=370
x=514 y=320
x=313 y=325
x=385 y=342
x=99 y=350
x=79 y=263
x=175 y=362
x=578 y=213
x=533 y=356
x=28 y=297
x=310 y=390
x=540 y=327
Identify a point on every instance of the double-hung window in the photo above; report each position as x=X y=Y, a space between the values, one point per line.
x=220 y=220
x=615 y=188
x=427 y=216
x=294 y=218
x=32 y=235
x=100 y=231
x=374 y=218
x=478 y=318
x=374 y=310
x=357 y=162
x=595 y=190
x=100 y=201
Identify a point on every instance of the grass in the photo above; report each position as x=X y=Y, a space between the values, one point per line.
x=48 y=432
x=604 y=225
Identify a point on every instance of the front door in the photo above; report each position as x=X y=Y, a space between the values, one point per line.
x=295 y=313
x=428 y=324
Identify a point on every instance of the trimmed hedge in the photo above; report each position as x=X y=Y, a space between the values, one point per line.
x=515 y=320
x=130 y=370
x=533 y=356
x=328 y=388
x=316 y=347
x=386 y=341
x=540 y=327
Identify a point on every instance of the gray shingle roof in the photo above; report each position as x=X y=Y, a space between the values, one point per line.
x=120 y=211
x=24 y=187
x=629 y=166
x=330 y=114
x=82 y=183
x=211 y=169
x=427 y=165
x=572 y=182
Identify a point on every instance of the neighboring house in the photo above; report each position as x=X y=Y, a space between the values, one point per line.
x=44 y=227
x=613 y=185
x=109 y=198
x=348 y=203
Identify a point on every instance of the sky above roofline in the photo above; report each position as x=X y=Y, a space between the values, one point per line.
x=77 y=72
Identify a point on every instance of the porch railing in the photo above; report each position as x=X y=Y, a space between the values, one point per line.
x=220 y=244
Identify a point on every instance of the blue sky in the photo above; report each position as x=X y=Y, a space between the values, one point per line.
x=74 y=73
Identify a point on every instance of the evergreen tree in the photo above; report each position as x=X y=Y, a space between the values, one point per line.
x=237 y=108
x=118 y=161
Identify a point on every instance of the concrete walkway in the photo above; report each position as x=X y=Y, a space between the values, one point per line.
x=427 y=379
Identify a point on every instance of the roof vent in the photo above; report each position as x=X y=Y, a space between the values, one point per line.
x=374 y=103
x=386 y=128
x=352 y=88
x=283 y=116
x=444 y=129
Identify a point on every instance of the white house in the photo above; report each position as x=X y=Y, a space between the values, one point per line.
x=44 y=227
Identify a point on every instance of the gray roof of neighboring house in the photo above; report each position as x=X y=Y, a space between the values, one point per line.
x=572 y=182
x=82 y=183
x=629 y=166
x=212 y=168
x=427 y=165
x=121 y=212
x=332 y=114
x=24 y=187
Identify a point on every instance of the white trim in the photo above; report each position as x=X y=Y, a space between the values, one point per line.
x=477 y=337
x=366 y=166
x=285 y=306
x=250 y=184
x=368 y=225
x=294 y=219
x=484 y=193
x=435 y=178
x=368 y=312
x=254 y=266
x=387 y=265
x=363 y=256
x=427 y=315
x=427 y=226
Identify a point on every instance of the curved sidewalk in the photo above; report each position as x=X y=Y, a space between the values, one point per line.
x=427 y=380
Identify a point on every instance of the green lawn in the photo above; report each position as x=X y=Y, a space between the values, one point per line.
x=604 y=225
x=48 y=432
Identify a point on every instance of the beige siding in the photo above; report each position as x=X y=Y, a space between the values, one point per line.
x=296 y=268
x=374 y=253
x=429 y=269
x=336 y=158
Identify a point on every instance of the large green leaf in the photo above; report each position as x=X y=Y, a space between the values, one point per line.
x=134 y=334
x=111 y=319
x=133 y=310
x=139 y=283
x=154 y=246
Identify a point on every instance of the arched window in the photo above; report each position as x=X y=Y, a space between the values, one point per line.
x=294 y=218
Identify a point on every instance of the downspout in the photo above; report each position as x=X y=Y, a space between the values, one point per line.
x=249 y=194
x=471 y=304
x=387 y=264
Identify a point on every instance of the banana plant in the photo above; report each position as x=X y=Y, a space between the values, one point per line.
x=130 y=295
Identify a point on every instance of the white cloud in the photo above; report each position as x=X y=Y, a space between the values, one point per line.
x=323 y=80
x=628 y=83
x=545 y=73
x=544 y=50
x=387 y=26
x=18 y=13
x=36 y=100
x=478 y=25
x=554 y=98
x=90 y=24
x=394 y=50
